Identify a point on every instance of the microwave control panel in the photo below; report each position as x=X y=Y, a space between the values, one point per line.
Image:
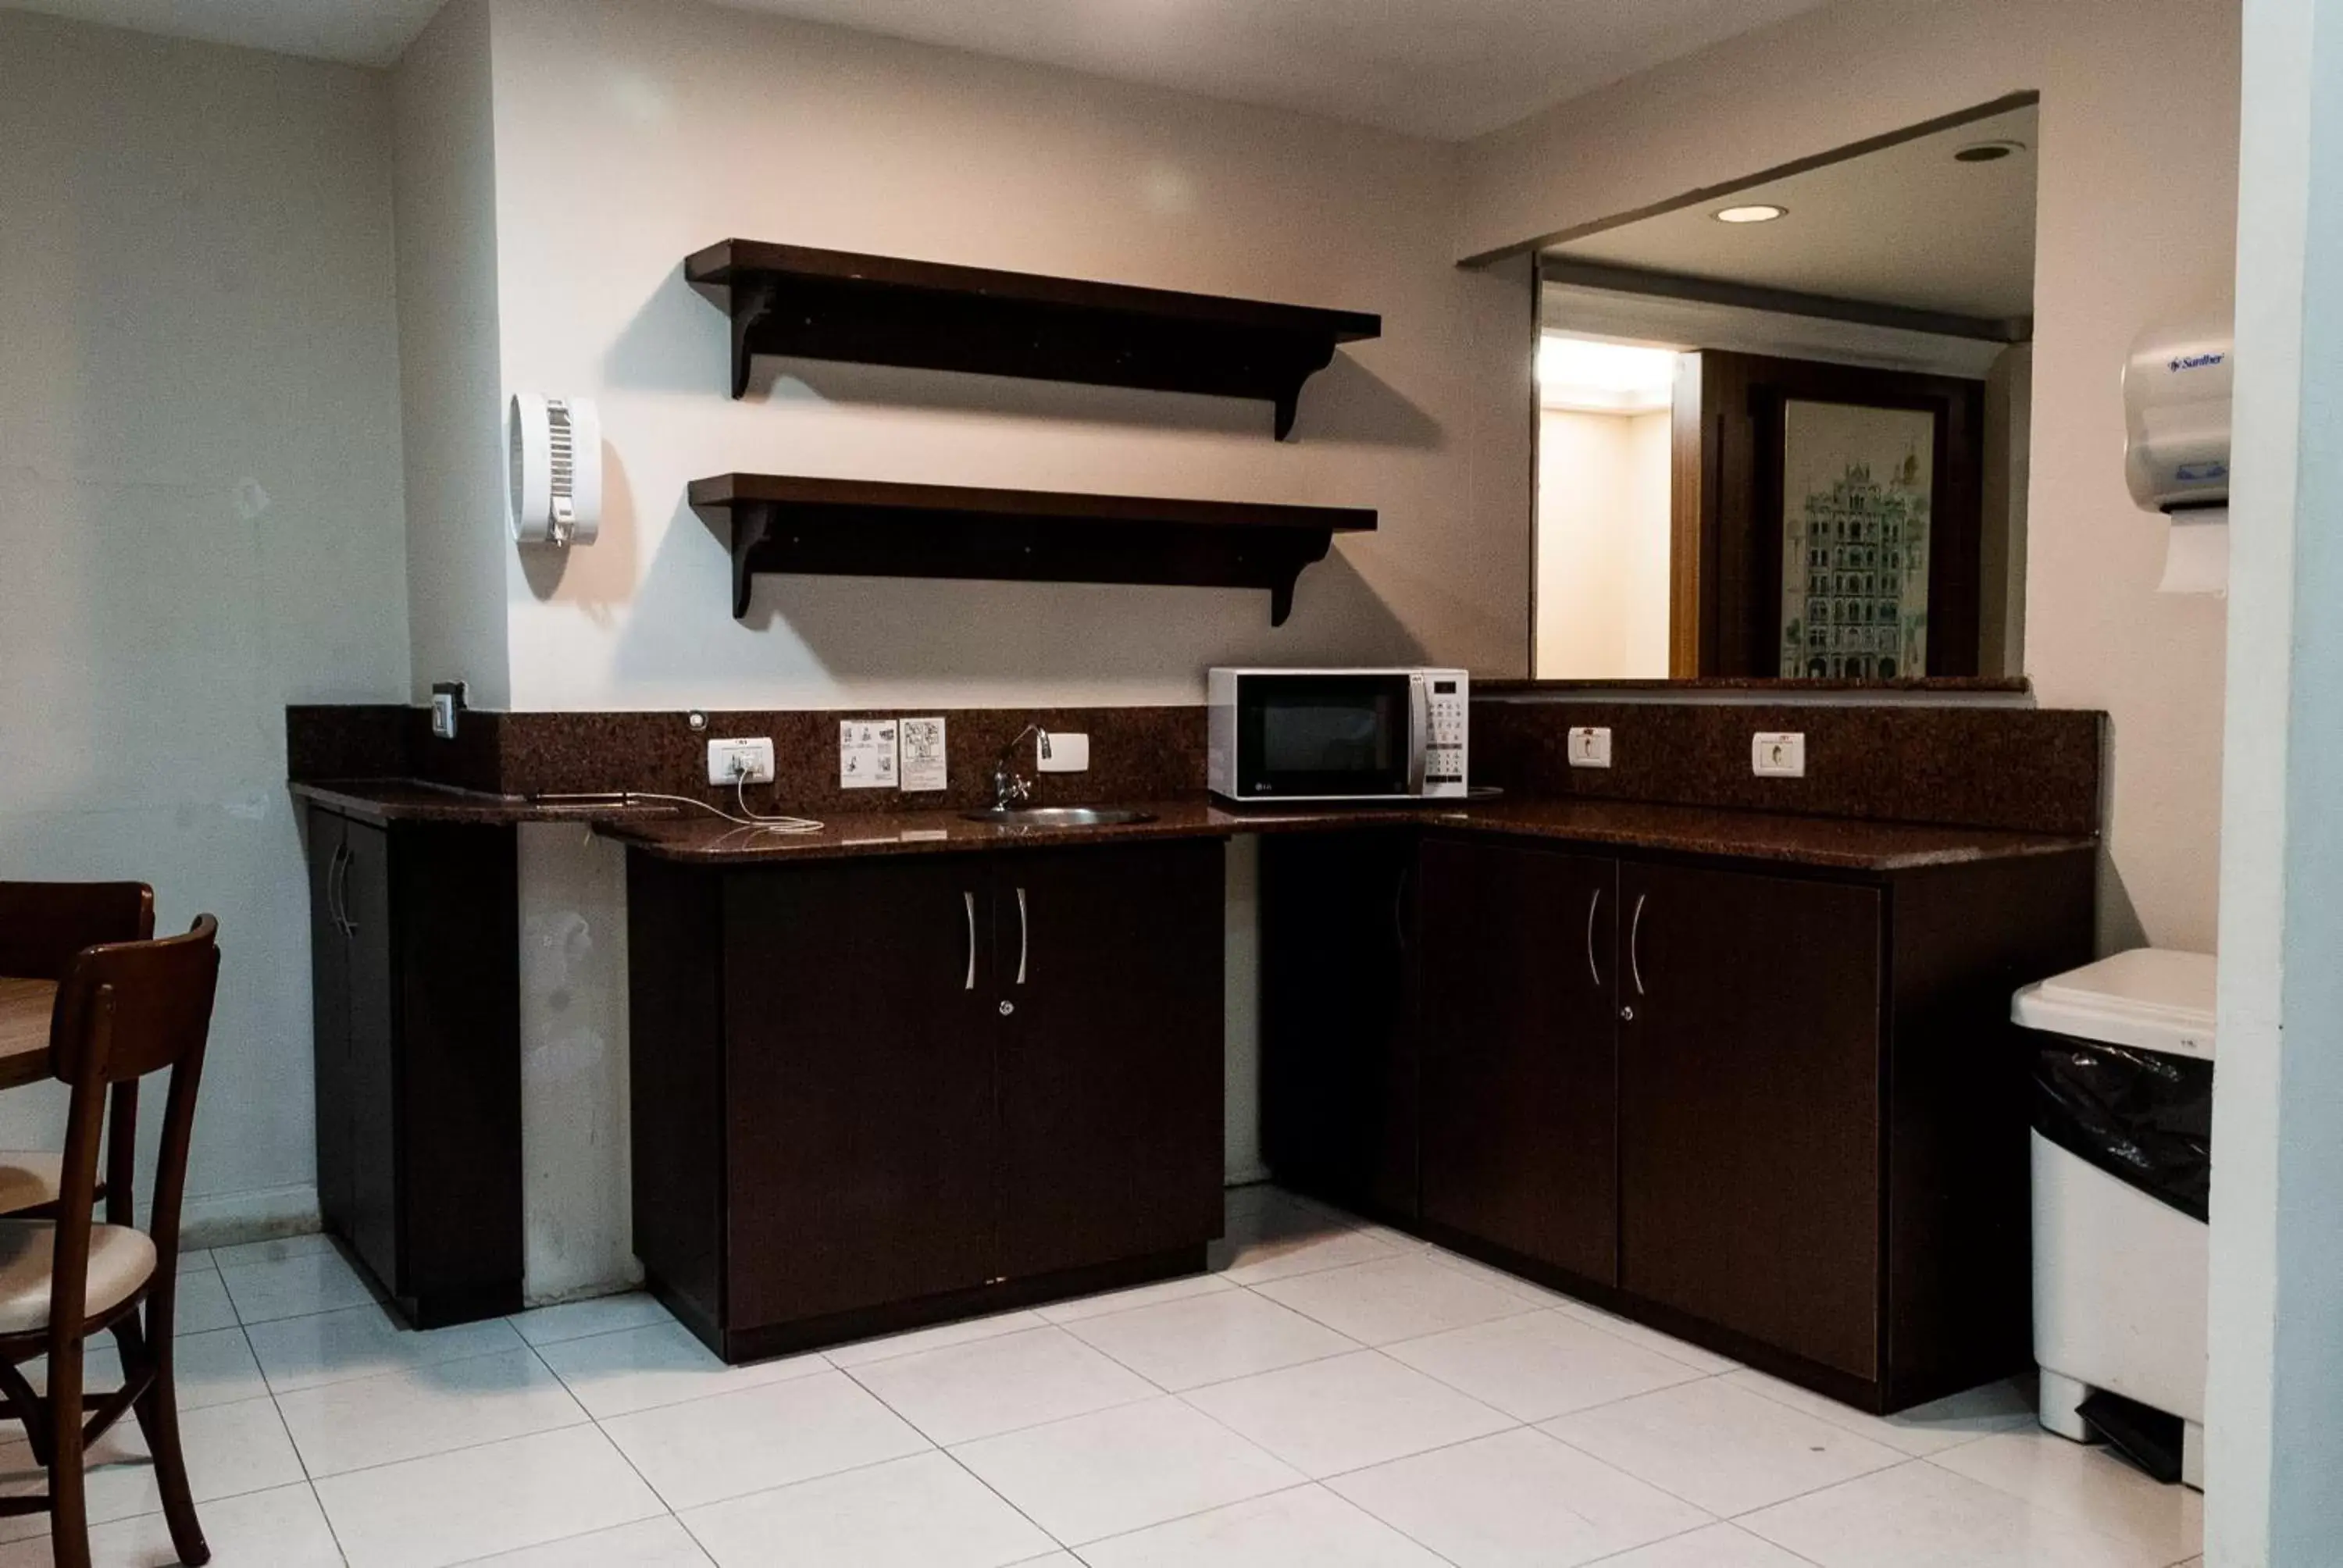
x=1448 y=701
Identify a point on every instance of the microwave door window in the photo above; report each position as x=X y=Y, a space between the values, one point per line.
x=1324 y=736
x=1328 y=740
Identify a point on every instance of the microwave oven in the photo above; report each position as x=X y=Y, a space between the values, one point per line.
x=1281 y=735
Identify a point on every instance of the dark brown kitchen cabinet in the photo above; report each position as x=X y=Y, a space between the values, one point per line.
x=1519 y=1102
x=865 y=1114
x=1339 y=1068
x=873 y=1094
x=1777 y=1111
x=1110 y=1065
x=1750 y=1130
x=415 y=972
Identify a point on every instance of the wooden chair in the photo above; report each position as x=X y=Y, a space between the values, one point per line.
x=42 y=926
x=123 y=1010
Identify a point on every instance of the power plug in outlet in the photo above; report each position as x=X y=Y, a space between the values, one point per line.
x=1590 y=748
x=750 y=762
x=1778 y=756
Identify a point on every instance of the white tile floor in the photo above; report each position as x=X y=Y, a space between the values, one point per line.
x=1334 y=1396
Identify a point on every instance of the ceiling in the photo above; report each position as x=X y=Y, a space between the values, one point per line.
x=1906 y=224
x=1441 y=68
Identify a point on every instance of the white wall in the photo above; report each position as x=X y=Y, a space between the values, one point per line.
x=2137 y=204
x=457 y=558
x=1602 y=545
x=199 y=514
x=631 y=132
x=2277 y=1299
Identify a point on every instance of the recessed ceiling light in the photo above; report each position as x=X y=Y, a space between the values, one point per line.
x=1987 y=152
x=1762 y=212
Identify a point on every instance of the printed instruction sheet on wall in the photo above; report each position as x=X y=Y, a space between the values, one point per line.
x=923 y=753
x=866 y=754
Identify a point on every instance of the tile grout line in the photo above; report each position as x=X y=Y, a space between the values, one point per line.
x=1307 y=1484
x=935 y=1447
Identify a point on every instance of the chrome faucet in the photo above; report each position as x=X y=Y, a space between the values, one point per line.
x=1009 y=787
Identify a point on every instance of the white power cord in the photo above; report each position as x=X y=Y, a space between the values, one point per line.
x=746 y=817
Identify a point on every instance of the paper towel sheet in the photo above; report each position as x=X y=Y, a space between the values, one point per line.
x=2197 y=557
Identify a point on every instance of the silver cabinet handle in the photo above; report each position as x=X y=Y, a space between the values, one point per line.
x=337 y=890
x=1635 y=944
x=1025 y=931
x=969 y=983
x=1593 y=971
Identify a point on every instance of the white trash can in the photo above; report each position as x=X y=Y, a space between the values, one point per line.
x=2122 y=1105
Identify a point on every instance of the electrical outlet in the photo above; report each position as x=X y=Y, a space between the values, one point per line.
x=1590 y=748
x=1778 y=755
x=1062 y=753
x=750 y=762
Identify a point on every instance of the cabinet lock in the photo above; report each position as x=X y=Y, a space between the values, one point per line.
x=1007 y=1008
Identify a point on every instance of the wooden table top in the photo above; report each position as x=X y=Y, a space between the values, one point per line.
x=24 y=1030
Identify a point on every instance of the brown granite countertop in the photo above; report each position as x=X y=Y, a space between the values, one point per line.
x=1839 y=843
x=1762 y=685
x=385 y=800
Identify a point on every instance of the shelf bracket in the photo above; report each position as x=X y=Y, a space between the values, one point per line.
x=1307 y=359
x=752 y=302
x=750 y=524
x=1288 y=404
x=1280 y=598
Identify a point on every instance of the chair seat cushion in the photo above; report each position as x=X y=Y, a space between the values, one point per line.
x=28 y=1180
x=120 y=1260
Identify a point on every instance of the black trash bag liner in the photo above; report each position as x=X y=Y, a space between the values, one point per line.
x=2142 y=1117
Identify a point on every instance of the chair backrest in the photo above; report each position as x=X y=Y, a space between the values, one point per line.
x=43 y=924
x=123 y=1010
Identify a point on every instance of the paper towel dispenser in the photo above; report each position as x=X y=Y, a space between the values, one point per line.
x=2176 y=388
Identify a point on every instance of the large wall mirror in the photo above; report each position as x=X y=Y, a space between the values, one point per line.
x=1782 y=431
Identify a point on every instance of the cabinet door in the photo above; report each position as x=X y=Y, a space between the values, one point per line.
x=1750 y=1106
x=372 y=1080
x=1339 y=1072
x=1110 y=961
x=859 y=1085
x=1520 y=1051
x=329 y=993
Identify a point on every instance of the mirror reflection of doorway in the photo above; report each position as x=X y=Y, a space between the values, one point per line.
x=1720 y=386
x=1606 y=443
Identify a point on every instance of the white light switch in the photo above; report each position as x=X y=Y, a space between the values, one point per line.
x=1778 y=755
x=1063 y=753
x=1590 y=748
x=750 y=761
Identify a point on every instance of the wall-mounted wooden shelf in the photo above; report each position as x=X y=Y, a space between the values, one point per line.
x=787 y=300
x=782 y=523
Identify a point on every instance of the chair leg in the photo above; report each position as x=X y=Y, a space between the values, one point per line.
x=158 y=1417
x=68 y=1509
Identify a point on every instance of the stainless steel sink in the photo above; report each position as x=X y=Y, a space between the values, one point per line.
x=1059 y=816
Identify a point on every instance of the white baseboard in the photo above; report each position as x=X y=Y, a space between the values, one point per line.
x=228 y=1219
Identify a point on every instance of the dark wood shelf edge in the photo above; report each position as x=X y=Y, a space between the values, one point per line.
x=815 y=527
x=810 y=303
